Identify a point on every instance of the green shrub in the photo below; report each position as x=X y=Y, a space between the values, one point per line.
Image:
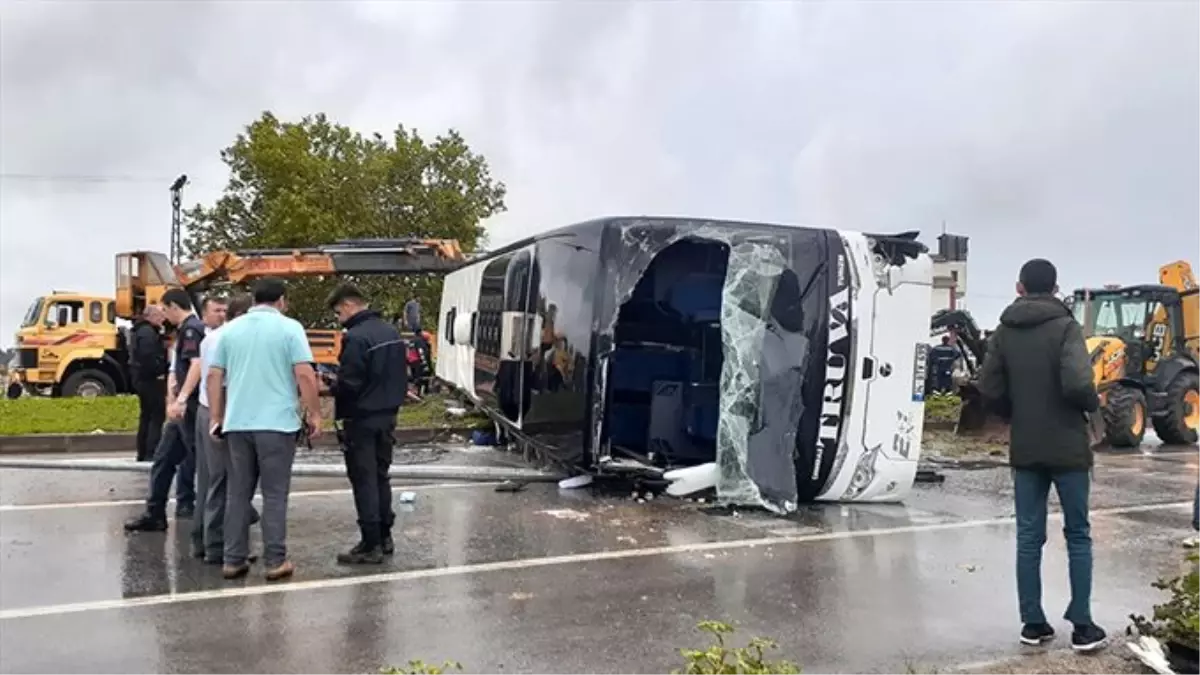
x=718 y=659
x=1177 y=619
x=419 y=667
x=942 y=407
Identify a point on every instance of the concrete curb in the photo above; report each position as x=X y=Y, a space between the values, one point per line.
x=966 y=462
x=403 y=471
x=44 y=444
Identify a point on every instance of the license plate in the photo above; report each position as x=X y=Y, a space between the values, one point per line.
x=920 y=368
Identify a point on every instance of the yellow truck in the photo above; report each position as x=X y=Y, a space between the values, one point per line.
x=69 y=344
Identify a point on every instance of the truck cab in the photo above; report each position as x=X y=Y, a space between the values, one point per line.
x=69 y=344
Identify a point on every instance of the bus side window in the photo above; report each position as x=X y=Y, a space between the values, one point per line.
x=96 y=312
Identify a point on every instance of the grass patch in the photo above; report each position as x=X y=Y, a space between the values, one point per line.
x=430 y=413
x=35 y=415
x=119 y=414
x=942 y=408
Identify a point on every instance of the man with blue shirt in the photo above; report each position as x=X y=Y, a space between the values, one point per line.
x=258 y=365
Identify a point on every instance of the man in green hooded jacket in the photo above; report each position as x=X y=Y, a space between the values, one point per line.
x=1038 y=375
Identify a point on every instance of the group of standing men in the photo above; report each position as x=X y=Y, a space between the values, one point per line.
x=239 y=392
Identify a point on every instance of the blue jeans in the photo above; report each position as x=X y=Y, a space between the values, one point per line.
x=1032 y=490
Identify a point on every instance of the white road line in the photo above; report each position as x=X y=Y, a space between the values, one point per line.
x=9 y=508
x=526 y=563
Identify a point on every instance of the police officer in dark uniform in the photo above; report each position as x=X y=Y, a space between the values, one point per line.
x=148 y=370
x=369 y=388
x=177 y=450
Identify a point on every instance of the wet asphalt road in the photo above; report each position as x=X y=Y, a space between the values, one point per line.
x=542 y=581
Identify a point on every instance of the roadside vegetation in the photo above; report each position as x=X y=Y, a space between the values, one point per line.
x=119 y=414
x=1178 y=619
x=718 y=658
x=942 y=408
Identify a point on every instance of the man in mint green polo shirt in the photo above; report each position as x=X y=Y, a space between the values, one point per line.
x=261 y=361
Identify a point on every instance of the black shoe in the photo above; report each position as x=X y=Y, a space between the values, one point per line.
x=1036 y=633
x=186 y=511
x=1088 y=638
x=388 y=546
x=361 y=554
x=147 y=523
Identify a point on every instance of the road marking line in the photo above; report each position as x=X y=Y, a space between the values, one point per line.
x=9 y=508
x=526 y=563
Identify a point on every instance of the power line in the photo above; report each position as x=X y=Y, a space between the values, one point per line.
x=84 y=178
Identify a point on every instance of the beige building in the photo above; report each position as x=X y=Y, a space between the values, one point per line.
x=949 y=273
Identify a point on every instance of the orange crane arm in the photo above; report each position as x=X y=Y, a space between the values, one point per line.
x=143 y=276
x=368 y=256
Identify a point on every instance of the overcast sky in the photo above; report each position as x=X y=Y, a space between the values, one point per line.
x=1060 y=129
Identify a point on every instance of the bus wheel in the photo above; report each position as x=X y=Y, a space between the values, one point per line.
x=14 y=390
x=89 y=384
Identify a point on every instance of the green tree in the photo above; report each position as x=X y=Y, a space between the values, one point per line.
x=313 y=182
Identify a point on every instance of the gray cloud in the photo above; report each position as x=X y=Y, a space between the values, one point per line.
x=1069 y=130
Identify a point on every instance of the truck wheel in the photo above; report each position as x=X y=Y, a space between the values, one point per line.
x=1125 y=417
x=14 y=390
x=89 y=384
x=1181 y=419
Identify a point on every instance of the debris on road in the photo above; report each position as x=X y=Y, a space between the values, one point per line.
x=511 y=486
x=566 y=514
x=1150 y=652
x=575 y=482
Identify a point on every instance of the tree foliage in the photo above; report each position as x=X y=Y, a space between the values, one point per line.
x=313 y=182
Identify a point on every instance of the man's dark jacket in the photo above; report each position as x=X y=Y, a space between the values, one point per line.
x=1037 y=373
x=372 y=370
x=147 y=353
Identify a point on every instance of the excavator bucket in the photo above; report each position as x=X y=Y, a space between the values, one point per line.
x=974 y=418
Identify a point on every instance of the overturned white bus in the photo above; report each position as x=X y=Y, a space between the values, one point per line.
x=789 y=360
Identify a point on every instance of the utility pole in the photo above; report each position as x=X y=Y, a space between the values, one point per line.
x=176 y=218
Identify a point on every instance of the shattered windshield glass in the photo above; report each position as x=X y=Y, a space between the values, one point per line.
x=764 y=346
x=762 y=379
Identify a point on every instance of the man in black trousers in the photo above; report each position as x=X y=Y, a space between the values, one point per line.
x=176 y=452
x=148 y=368
x=369 y=388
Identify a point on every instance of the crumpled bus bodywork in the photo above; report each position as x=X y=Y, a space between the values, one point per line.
x=789 y=359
